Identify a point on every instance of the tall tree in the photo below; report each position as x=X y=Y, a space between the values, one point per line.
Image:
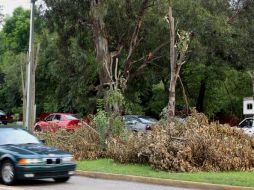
x=94 y=16
x=178 y=50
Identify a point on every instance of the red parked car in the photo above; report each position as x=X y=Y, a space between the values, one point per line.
x=55 y=121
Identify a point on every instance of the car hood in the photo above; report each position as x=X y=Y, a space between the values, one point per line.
x=34 y=150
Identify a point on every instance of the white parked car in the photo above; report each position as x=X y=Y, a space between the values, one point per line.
x=139 y=123
x=247 y=125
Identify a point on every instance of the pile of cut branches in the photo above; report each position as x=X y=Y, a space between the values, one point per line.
x=195 y=145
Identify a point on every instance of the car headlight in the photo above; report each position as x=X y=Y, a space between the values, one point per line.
x=30 y=161
x=68 y=159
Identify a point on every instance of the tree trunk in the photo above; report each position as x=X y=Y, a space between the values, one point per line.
x=251 y=74
x=172 y=99
x=173 y=77
x=201 y=96
x=177 y=57
x=23 y=63
x=253 y=83
x=33 y=115
x=100 y=42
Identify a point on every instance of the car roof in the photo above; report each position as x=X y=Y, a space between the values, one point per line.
x=248 y=118
x=61 y=113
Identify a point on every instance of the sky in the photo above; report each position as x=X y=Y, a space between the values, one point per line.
x=9 y=5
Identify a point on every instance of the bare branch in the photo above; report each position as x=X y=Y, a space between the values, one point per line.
x=147 y=59
x=134 y=38
x=184 y=95
x=238 y=11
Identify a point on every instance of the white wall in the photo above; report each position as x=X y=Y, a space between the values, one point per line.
x=248 y=111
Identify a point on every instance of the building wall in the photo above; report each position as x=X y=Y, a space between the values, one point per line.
x=248 y=107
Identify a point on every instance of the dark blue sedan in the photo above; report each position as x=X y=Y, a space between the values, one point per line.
x=23 y=156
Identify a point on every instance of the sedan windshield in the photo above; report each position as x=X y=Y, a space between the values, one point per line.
x=16 y=136
x=146 y=119
x=71 y=117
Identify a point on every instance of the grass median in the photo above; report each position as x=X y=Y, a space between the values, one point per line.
x=227 y=178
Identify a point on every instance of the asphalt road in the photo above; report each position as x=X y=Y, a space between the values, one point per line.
x=83 y=183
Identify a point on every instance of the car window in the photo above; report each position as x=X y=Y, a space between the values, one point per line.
x=16 y=136
x=248 y=123
x=130 y=119
x=147 y=119
x=58 y=117
x=2 y=113
x=49 y=118
x=70 y=117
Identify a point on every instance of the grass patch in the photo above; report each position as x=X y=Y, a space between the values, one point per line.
x=227 y=178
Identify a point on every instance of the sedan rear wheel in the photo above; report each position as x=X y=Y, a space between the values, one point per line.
x=8 y=173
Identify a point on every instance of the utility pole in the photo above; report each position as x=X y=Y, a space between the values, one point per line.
x=29 y=106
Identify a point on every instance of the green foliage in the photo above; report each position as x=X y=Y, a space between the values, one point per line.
x=114 y=98
x=16 y=30
x=100 y=104
x=108 y=124
x=132 y=105
x=158 y=100
x=68 y=77
x=117 y=126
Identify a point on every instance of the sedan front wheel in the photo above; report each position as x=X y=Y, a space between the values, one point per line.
x=8 y=173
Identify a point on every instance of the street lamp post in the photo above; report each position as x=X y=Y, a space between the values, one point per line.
x=29 y=70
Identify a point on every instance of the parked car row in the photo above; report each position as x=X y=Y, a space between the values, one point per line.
x=69 y=121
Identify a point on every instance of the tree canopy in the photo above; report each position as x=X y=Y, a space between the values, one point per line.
x=84 y=42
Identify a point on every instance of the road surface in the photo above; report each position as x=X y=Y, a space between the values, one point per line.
x=83 y=183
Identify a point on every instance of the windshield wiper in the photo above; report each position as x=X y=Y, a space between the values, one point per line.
x=28 y=143
x=7 y=144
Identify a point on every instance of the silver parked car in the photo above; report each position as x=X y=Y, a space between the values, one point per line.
x=139 y=123
x=247 y=125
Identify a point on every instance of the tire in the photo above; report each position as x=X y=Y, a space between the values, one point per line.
x=8 y=173
x=61 y=179
x=37 y=128
x=5 y=122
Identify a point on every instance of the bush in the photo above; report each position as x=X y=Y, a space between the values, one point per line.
x=196 y=145
x=83 y=143
x=107 y=126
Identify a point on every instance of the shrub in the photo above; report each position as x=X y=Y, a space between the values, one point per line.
x=196 y=145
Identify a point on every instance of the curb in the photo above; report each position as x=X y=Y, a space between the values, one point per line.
x=157 y=181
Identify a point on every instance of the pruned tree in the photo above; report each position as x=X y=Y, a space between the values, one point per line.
x=23 y=68
x=36 y=59
x=179 y=44
x=23 y=71
x=252 y=80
